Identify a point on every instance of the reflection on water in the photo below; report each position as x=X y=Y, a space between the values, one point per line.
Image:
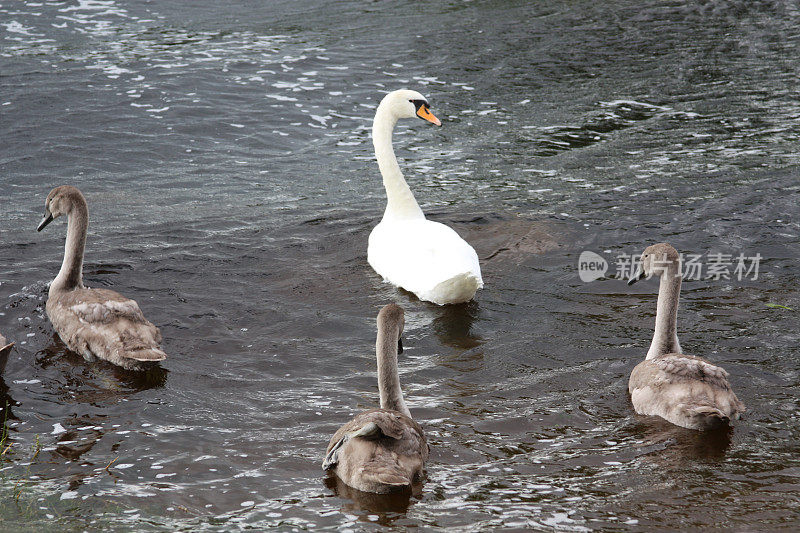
x=453 y=325
x=97 y=379
x=387 y=507
x=72 y=445
x=672 y=445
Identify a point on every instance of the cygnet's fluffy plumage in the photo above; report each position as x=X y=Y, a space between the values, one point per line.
x=683 y=389
x=382 y=450
x=96 y=323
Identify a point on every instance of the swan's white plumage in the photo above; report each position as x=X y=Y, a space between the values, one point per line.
x=424 y=257
x=427 y=258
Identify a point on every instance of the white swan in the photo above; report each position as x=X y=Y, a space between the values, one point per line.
x=382 y=450
x=683 y=389
x=409 y=251
x=96 y=323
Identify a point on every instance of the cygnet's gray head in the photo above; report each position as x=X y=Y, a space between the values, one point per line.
x=655 y=261
x=391 y=320
x=60 y=202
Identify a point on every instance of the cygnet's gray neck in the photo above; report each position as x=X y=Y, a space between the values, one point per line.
x=665 y=337
x=391 y=394
x=71 y=274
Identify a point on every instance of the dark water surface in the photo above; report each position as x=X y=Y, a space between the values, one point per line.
x=225 y=154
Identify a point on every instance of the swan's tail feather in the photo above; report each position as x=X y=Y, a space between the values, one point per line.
x=456 y=289
x=384 y=478
x=146 y=354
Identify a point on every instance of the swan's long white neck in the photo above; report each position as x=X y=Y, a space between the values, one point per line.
x=388 y=379
x=401 y=203
x=665 y=338
x=71 y=274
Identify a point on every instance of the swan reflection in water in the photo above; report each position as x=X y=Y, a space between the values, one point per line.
x=453 y=325
x=388 y=507
x=677 y=444
x=97 y=380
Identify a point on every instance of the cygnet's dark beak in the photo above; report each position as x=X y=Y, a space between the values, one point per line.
x=637 y=276
x=48 y=218
x=399 y=345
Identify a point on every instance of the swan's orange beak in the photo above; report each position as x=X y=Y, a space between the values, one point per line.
x=424 y=113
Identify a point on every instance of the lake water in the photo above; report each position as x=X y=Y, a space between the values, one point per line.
x=224 y=149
